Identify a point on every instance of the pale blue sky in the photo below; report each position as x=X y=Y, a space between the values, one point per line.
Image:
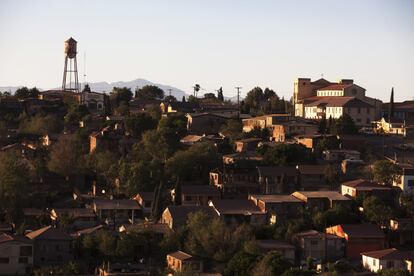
x=214 y=43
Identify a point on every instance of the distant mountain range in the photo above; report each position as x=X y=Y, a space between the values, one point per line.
x=107 y=87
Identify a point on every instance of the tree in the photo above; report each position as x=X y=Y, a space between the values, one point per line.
x=386 y=172
x=76 y=113
x=253 y=99
x=170 y=98
x=210 y=96
x=173 y=128
x=241 y=264
x=137 y=124
x=121 y=95
x=15 y=174
x=201 y=158
x=376 y=211
x=24 y=93
x=344 y=125
x=86 y=88
x=41 y=125
x=211 y=238
x=149 y=92
x=66 y=156
x=322 y=126
x=273 y=263
x=220 y=95
x=286 y=154
x=105 y=165
x=232 y=128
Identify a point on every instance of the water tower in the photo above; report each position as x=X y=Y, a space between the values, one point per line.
x=70 y=71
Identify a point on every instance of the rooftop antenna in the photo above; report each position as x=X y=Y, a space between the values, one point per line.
x=169 y=91
x=84 y=69
x=238 y=100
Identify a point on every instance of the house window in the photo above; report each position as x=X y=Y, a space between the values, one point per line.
x=410 y=183
x=187 y=198
x=368 y=121
x=23 y=260
x=4 y=260
x=314 y=242
x=390 y=264
x=359 y=120
x=359 y=110
x=25 y=251
x=368 y=110
x=374 y=262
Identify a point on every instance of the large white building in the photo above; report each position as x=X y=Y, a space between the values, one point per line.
x=323 y=99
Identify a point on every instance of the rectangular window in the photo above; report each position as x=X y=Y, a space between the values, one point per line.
x=374 y=261
x=187 y=198
x=4 y=260
x=314 y=242
x=368 y=109
x=410 y=183
x=25 y=251
x=23 y=260
x=359 y=110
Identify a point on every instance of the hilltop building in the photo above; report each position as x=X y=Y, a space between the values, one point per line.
x=323 y=99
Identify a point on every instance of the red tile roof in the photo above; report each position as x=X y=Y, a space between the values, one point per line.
x=337 y=86
x=180 y=255
x=362 y=230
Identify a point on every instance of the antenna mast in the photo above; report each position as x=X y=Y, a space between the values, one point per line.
x=238 y=100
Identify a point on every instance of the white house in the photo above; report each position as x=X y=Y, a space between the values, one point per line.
x=391 y=258
x=406 y=180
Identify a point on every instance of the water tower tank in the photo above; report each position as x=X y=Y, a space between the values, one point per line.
x=70 y=48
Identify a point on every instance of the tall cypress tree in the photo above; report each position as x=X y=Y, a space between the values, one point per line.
x=391 y=106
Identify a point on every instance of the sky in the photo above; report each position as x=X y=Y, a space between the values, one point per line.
x=212 y=42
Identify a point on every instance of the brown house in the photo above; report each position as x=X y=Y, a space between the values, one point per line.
x=236 y=181
x=319 y=246
x=16 y=255
x=245 y=145
x=311 y=141
x=283 y=131
x=176 y=216
x=144 y=200
x=180 y=261
x=80 y=217
x=204 y=123
x=361 y=187
x=116 y=211
x=278 y=207
x=312 y=177
x=323 y=200
x=52 y=246
x=284 y=248
x=359 y=238
x=278 y=179
x=238 y=211
x=197 y=194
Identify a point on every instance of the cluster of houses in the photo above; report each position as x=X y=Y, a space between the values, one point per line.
x=242 y=190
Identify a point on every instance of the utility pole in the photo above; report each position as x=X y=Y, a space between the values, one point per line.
x=169 y=91
x=238 y=100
